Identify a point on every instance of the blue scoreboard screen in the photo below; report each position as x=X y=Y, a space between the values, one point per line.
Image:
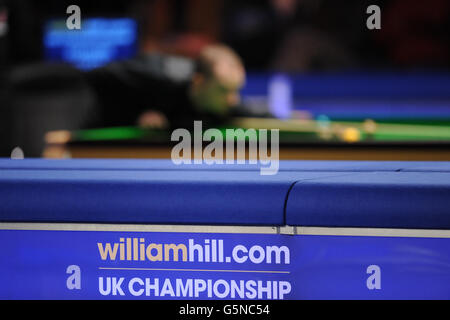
x=98 y=42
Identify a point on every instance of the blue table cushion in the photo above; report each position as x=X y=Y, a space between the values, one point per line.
x=372 y=199
x=166 y=164
x=305 y=193
x=163 y=197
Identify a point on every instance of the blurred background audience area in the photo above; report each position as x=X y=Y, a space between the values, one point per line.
x=40 y=71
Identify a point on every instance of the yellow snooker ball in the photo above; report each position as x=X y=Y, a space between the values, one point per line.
x=351 y=135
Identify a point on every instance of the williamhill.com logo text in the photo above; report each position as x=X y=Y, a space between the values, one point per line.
x=211 y=250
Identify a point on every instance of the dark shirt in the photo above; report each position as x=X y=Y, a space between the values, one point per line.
x=125 y=89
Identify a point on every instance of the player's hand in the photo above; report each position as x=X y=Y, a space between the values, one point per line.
x=153 y=119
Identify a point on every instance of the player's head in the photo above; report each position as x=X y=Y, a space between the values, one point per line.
x=219 y=76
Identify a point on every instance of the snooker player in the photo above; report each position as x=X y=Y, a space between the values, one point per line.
x=155 y=90
x=160 y=90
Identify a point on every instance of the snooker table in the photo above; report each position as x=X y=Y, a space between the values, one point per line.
x=150 y=229
x=299 y=139
x=333 y=116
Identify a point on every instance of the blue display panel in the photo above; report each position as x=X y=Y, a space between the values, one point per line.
x=43 y=264
x=98 y=42
x=352 y=95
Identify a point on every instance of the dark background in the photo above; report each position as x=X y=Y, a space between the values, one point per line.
x=287 y=35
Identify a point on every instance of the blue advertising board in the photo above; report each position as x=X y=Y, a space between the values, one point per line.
x=68 y=264
x=100 y=41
